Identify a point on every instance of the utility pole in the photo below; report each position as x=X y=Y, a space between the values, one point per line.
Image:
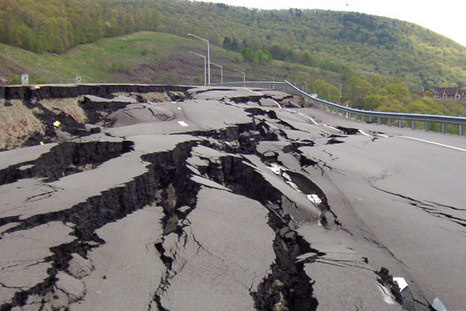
x=208 y=54
x=205 y=65
x=221 y=71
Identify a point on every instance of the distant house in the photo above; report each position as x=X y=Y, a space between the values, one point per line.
x=446 y=93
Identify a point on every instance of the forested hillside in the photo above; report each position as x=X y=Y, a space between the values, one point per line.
x=364 y=61
x=56 y=25
x=328 y=40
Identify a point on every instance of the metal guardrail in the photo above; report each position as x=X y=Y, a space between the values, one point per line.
x=371 y=115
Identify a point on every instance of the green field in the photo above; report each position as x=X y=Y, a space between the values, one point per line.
x=144 y=57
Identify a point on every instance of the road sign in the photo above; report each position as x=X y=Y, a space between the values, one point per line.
x=24 y=78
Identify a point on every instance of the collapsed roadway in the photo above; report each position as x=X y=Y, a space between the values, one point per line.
x=127 y=198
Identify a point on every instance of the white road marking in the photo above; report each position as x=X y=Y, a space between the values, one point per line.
x=313 y=121
x=387 y=296
x=286 y=176
x=433 y=143
x=364 y=133
x=293 y=185
x=382 y=135
x=314 y=198
x=275 y=168
x=401 y=283
x=333 y=128
x=182 y=123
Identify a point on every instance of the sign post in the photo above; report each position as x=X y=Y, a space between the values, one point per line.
x=24 y=78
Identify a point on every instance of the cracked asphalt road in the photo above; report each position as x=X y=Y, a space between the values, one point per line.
x=406 y=194
x=231 y=199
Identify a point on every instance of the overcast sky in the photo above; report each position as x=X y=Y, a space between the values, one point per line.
x=446 y=17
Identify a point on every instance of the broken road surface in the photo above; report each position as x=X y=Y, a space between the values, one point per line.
x=227 y=199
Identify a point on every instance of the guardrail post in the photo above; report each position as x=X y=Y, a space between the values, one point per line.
x=413 y=124
x=427 y=125
x=370 y=119
x=443 y=128
x=400 y=123
x=363 y=119
x=379 y=120
x=461 y=129
x=389 y=122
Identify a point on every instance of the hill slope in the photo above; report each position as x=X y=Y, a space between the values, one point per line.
x=368 y=43
x=149 y=57
x=329 y=40
x=144 y=57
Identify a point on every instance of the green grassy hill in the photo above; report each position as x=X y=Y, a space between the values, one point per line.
x=144 y=57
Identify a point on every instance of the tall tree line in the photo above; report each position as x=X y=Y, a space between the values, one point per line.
x=56 y=25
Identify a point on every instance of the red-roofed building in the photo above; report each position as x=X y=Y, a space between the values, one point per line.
x=447 y=93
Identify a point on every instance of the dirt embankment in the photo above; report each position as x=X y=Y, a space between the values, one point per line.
x=30 y=115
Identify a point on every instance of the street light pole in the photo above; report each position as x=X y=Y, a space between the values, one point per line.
x=205 y=66
x=244 y=74
x=221 y=71
x=341 y=93
x=208 y=54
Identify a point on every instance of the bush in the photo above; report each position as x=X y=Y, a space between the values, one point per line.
x=15 y=80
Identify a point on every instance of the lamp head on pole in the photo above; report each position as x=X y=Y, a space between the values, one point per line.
x=197 y=54
x=197 y=37
x=244 y=73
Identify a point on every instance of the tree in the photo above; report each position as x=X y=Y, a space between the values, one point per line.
x=357 y=89
x=399 y=90
x=303 y=79
x=227 y=43
x=309 y=60
x=325 y=90
x=247 y=54
x=56 y=25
